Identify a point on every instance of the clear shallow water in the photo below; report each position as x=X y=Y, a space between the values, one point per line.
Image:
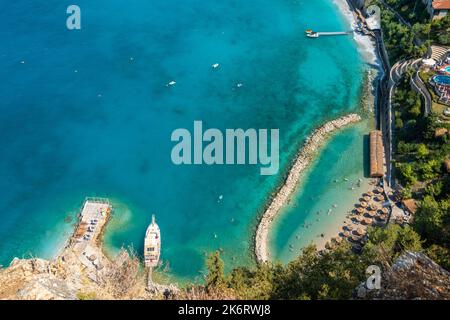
x=334 y=182
x=88 y=114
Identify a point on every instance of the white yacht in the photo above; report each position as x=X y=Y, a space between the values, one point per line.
x=152 y=244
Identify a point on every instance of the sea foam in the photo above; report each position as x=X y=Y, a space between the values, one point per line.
x=366 y=46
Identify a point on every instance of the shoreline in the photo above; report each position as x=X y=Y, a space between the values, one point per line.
x=366 y=47
x=365 y=44
x=336 y=231
x=301 y=162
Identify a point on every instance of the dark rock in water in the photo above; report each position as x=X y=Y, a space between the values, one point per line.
x=68 y=219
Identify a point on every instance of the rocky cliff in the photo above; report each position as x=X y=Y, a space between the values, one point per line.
x=413 y=276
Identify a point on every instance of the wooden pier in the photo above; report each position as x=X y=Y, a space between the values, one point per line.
x=338 y=33
x=313 y=34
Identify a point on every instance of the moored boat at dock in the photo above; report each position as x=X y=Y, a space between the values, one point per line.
x=152 y=244
x=312 y=35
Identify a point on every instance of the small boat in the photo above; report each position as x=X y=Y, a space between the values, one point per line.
x=215 y=65
x=152 y=244
x=171 y=83
x=312 y=35
x=308 y=31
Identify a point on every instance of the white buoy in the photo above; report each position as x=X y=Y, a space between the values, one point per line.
x=239 y=85
x=171 y=83
x=215 y=65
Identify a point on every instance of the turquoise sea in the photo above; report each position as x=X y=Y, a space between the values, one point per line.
x=88 y=113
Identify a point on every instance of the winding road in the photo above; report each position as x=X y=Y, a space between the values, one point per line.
x=396 y=73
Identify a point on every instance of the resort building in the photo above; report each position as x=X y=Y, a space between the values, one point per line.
x=376 y=154
x=437 y=8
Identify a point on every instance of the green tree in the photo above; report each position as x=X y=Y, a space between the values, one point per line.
x=432 y=219
x=325 y=275
x=392 y=240
x=422 y=151
x=408 y=175
x=216 y=276
x=440 y=255
x=254 y=283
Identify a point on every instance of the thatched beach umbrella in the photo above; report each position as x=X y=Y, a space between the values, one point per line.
x=369 y=193
x=366 y=198
x=355 y=238
x=337 y=239
x=380 y=189
x=360 y=231
x=349 y=227
x=364 y=204
x=359 y=218
x=359 y=210
x=367 y=221
x=346 y=234
x=372 y=213
x=385 y=210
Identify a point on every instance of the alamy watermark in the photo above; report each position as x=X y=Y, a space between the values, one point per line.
x=374 y=280
x=235 y=146
x=73 y=21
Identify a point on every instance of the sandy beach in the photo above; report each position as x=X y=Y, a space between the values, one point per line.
x=306 y=154
x=366 y=45
x=367 y=50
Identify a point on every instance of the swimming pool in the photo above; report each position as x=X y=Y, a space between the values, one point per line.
x=442 y=80
x=445 y=69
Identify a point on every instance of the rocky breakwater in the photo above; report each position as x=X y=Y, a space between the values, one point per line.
x=304 y=157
